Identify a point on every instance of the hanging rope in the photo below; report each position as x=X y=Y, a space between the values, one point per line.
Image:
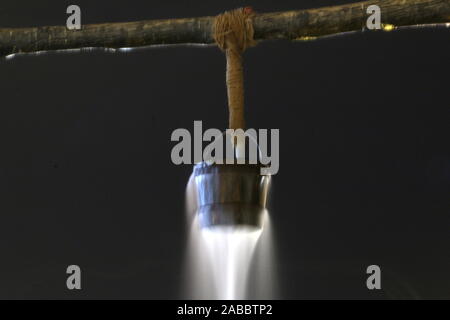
x=233 y=32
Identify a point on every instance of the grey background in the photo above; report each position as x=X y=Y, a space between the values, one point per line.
x=86 y=176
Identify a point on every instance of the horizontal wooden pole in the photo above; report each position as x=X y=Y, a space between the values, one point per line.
x=291 y=25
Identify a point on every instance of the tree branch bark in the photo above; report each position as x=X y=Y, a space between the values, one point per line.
x=291 y=25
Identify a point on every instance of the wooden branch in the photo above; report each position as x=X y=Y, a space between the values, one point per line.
x=291 y=25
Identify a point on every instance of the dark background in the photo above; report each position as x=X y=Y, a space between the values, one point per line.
x=86 y=176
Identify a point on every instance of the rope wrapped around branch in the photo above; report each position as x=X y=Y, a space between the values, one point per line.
x=233 y=33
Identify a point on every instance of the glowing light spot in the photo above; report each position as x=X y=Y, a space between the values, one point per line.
x=125 y=49
x=305 y=38
x=388 y=27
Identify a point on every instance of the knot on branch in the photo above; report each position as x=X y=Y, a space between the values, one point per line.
x=234 y=29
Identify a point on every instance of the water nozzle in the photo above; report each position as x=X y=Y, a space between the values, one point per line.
x=231 y=195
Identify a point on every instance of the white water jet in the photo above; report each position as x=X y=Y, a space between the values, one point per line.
x=230 y=253
x=263 y=280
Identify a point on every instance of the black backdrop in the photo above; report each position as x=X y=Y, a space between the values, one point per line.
x=86 y=176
